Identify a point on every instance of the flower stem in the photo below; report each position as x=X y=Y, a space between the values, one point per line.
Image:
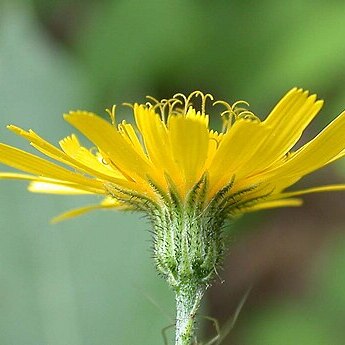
x=188 y=299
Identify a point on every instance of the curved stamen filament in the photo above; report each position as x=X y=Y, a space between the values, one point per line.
x=179 y=104
x=187 y=100
x=111 y=113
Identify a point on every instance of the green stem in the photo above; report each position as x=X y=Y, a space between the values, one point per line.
x=188 y=299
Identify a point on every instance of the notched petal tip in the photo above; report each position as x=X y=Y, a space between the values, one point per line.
x=15 y=129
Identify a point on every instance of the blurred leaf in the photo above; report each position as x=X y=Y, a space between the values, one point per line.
x=288 y=325
x=330 y=278
x=254 y=51
x=128 y=44
x=80 y=282
x=315 y=320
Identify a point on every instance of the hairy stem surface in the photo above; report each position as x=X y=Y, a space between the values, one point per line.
x=188 y=299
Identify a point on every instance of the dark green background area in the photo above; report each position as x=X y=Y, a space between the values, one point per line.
x=91 y=280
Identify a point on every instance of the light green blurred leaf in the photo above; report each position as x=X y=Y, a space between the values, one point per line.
x=80 y=282
x=288 y=324
x=313 y=320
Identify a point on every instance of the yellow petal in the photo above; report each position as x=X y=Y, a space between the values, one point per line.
x=330 y=188
x=83 y=210
x=275 y=204
x=27 y=162
x=80 y=154
x=42 y=145
x=189 y=139
x=287 y=108
x=316 y=153
x=287 y=122
x=53 y=188
x=41 y=184
x=17 y=176
x=77 y=156
x=121 y=154
x=236 y=150
x=129 y=134
x=157 y=144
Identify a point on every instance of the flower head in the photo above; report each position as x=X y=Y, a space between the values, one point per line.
x=172 y=151
x=186 y=177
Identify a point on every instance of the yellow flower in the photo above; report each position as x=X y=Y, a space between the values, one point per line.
x=171 y=148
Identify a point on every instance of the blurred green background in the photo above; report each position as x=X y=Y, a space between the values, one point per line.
x=91 y=280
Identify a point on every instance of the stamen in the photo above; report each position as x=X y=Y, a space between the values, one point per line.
x=235 y=105
x=244 y=113
x=171 y=104
x=233 y=113
x=156 y=104
x=162 y=105
x=187 y=100
x=203 y=100
x=129 y=105
x=179 y=104
x=227 y=115
x=155 y=100
x=111 y=113
x=166 y=106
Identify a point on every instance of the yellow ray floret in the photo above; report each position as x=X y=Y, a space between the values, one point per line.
x=171 y=152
